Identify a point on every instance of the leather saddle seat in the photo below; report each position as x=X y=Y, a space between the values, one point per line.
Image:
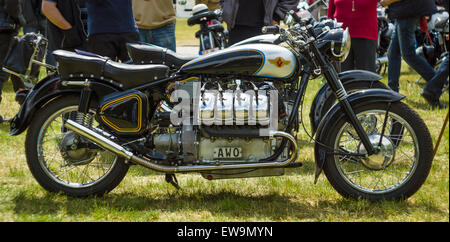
x=88 y=65
x=142 y=53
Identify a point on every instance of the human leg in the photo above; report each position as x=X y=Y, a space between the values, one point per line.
x=121 y=44
x=164 y=36
x=394 y=60
x=365 y=53
x=433 y=89
x=5 y=39
x=104 y=45
x=145 y=35
x=407 y=41
x=349 y=62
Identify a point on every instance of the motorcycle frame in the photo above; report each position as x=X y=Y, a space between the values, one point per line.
x=310 y=63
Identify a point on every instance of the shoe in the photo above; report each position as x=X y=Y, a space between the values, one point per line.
x=432 y=100
x=21 y=94
x=445 y=87
x=1 y=119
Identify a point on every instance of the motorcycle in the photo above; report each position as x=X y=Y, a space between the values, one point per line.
x=318 y=8
x=432 y=42
x=212 y=34
x=98 y=117
x=385 y=31
x=24 y=60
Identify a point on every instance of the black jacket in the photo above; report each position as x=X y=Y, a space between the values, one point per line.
x=412 y=8
x=11 y=17
x=76 y=37
x=32 y=12
x=274 y=10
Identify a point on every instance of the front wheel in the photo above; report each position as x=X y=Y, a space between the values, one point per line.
x=61 y=161
x=400 y=167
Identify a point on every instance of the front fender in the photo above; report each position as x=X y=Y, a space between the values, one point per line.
x=47 y=89
x=325 y=92
x=336 y=113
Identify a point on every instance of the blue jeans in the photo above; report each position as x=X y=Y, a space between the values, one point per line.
x=163 y=36
x=403 y=44
x=434 y=86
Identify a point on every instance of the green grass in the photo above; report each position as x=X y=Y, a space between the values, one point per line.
x=144 y=195
x=185 y=34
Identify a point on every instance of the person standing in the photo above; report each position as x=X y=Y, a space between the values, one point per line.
x=433 y=90
x=360 y=16
x=66 y=28
x=156 y=22
x=35 y=21
x=212 y=4
x=11 y=19
x=406 y=15
x=245 y=18
x=111 y=25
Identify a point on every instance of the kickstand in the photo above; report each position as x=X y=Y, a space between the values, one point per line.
x=172 y=179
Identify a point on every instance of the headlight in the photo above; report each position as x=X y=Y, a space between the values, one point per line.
x=340 y=50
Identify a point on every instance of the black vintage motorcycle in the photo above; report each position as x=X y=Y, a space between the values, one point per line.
x=87 y=125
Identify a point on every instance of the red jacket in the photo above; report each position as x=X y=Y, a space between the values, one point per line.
x=360 y=16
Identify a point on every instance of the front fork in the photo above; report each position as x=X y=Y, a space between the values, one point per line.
x=333 y=80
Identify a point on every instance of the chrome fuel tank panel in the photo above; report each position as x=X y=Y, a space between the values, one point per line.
x=261 y=60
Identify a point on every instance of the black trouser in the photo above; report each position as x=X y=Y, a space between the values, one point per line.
x=241 y=32
x=5 y=39
x=112 y=45
x=362 y=56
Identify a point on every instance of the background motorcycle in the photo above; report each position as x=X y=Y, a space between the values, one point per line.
x=433 y=42
x=24 y=60
x=385 y=30
x=98 y=116
x=318 y=8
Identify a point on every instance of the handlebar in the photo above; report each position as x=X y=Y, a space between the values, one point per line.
x=295 y=17
x=203 y=17
x=271 y=29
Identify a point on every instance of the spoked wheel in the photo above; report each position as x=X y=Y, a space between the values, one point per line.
x=62 y=161
x=400 y=167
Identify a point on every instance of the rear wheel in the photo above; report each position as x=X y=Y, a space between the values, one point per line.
x=62 y=161
x=397 y=171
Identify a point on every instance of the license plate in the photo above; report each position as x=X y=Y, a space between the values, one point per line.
x=227 y=152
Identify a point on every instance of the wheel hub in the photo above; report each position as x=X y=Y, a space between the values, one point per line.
x=75 y=151
x=385 y=155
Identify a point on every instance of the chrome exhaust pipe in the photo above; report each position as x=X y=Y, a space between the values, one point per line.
x=119 y=150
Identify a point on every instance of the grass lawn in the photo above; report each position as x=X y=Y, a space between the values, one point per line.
x=185 y=34
x=144 y=195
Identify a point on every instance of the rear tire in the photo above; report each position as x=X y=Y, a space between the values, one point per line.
x=75 y=172
x=397 y=172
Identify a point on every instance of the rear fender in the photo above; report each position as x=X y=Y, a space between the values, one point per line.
x=325 y=92
x=356 y=99
x=47 y=89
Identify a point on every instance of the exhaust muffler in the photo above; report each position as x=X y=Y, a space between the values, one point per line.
x=119 y=150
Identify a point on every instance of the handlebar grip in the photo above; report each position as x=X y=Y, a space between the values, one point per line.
x=295 y=16
x=270 y=29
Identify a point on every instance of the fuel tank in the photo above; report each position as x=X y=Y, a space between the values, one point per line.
x=260 y=60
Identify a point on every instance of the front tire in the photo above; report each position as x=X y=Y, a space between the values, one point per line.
x=397 y=171
x=58 y=166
